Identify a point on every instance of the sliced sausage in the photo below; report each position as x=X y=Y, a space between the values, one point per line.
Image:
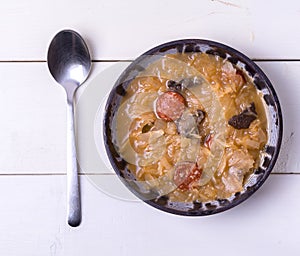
x=186 y=173
x=170 y=105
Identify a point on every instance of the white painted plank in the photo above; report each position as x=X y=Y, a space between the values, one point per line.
x=33 y=214
x=124 y=29
x=33 y=119
x=32 y=109
x=32 y=122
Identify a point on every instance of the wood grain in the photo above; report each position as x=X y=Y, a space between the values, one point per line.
x=33 y=137
x=33 y=223
x=124 y=29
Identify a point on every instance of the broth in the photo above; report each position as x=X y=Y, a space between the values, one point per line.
x=191 y=126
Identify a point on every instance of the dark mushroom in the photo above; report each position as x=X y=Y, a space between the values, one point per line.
x=173 y=85
x=244 y=119
x=200 y=115
x=184 y=83
x=147 y=127
x=192 y=81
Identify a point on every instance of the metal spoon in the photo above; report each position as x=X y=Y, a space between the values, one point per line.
x=69 y=63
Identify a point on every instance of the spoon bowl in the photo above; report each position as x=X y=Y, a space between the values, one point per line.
x=69 y=63
x=69 y=60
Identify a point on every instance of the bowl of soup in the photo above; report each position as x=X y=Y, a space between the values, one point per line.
x=193 y=127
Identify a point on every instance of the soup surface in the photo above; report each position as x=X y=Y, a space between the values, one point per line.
x=191 y=126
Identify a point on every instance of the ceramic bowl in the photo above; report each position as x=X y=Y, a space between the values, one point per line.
x=262 y=84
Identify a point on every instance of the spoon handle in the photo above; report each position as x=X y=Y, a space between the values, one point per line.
x=73 y=193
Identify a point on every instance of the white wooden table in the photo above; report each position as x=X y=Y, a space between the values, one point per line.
x=33 y=136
